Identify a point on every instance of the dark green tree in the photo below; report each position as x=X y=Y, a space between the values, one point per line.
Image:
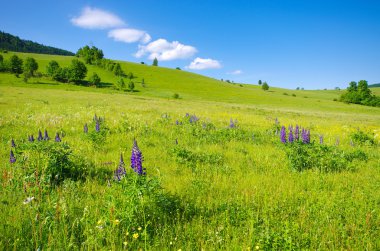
x=118 y=71
x=2 y=64
x=131 y=86
x=91 y=55
x=95 y=80
x=77 y=71
x=30 y=66
x=260 y=83
x=364 y=91
x=52 y=69
x=265 y=86
x=15 y=65
x=121 y=84
x=155 y=62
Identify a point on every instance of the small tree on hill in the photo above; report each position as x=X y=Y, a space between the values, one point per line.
x=30 y=66
x=131 y=86
x=117 y=70
x=265 y=86
x=52 y=69
x=15 y=65
x=94 y=80
x=121 y=84
x=77 y=70
x=260 y=83
x=155 y=62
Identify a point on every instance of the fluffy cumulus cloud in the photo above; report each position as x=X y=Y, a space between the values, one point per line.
x=236 y=72
x=129 y=35
x=204 y=63
x=93 y=18
x=165 y=51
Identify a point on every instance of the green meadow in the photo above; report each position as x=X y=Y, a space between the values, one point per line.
x=208 y=185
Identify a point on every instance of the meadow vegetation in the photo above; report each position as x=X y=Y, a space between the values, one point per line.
x=183 y=162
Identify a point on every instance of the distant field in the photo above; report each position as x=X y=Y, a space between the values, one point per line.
x=222 y=187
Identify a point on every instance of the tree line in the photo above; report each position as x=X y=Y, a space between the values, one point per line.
x=359 y=93
x=8 y=42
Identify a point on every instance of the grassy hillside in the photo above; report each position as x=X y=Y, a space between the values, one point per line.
x=209 y=185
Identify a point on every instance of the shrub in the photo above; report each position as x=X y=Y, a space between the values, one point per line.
x=176 y=95
x=361 y=138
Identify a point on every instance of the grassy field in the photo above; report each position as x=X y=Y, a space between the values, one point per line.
x=208 y=186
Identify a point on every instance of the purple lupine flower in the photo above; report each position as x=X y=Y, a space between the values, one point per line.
x=233 y=123
x=57 y=138
x=283 y=134
x=177 y=122
x=120 y=170
x=85 y=128
x=305 y=136
x=97 y=126
x=12 y=158
x=193 y=118
x=136 y=159
x=297 y=133
x=31 y=138
x=39 y=135
x=13 y=143
x=321 y=139
x=46 y=137
x=187 y=115
x=291 y=138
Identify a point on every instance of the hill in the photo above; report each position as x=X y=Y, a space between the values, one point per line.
x=374 y=85
x=14 y=43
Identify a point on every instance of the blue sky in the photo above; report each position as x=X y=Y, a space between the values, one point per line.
x=310 y=44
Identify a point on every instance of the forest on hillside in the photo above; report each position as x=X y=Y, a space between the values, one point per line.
x=14 y=43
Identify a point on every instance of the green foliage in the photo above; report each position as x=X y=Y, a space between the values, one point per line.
x=15 y=65
x=155 y=62
x=14 y=43
x=362 y=138
x=53 y=69
x=260 y=82
x=176 y=96
x=94 y=80
x=118 y=71
x=322 y=158
x=30 y=66
x=91 y=55
x=121 y=84
x=77 y=71
x=265 y=86
x=359 y=93
x=131 y=86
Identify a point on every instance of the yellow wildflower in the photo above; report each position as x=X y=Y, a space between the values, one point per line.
x=136 y=235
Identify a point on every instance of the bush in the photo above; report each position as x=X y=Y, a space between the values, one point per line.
x=361 y=138
x=265 y=86
x=94 y=80
x=176 y=95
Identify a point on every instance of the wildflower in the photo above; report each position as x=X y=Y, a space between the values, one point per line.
x=116 y=222
x=100 y=222
x=46 y=137
x=85 y=128
x=283 y=134
x=57 y=138
x=291 y=139
x=136 y=235
x=13 y=143
x=233 y=123
x=139 y=228
x=297 y=133
x=120 y=171
x=28 y=200
x=125 y=243
x=193 y=118
x=12 y=158
x=321 y=139
x=31 y=138
x=136 y=159
x=187 y=115
x=177 y=122
x=39 y=135
x=305 y=136
x=257 y=247
x=97 y=126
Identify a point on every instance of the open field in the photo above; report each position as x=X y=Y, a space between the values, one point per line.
x=218 y=188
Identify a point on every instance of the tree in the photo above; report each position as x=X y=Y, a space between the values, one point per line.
x=95 y=80
x=2 y=64
x=15 y=65
x=265 y=86
x=143 y=82
x=131 y=86
x=30 y=66
x=117 y=70
x=77 y=71
x=364 y=91
x=260 y=83
x=155 y=62
x=91 y=55
x=121 y=84
x=52 y=69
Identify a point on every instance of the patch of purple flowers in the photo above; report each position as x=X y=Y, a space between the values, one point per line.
x=193 y=119
x=57 y=138
x=297 y=133
x=136 y=159
x=13 y=143
x=31 y=138
x=233 y=123
x=40 y=135
x=97 y=126
x=46 y=137
x=283 y=134
x=85 y=128
x=12 y=158
x=120 y=170
x=291 y=138
x=305 y=136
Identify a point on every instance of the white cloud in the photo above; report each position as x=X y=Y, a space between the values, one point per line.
x=236 y=72
x=93 y=18
x=165 y=51
x=129 y=35
x=204 y=63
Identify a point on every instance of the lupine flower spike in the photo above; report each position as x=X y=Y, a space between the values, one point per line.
x=46 y=137
x=97 y=126
x=283 y=134
x=57 y=138
x=291 y=138
x=39 y=135
x=297 y=133
x=13 y=143
x=233 y=123
x=120 y=170
x=31 y=138
x=136 y=159
x=85 y=128
x=12 y=158
x=321 y=139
